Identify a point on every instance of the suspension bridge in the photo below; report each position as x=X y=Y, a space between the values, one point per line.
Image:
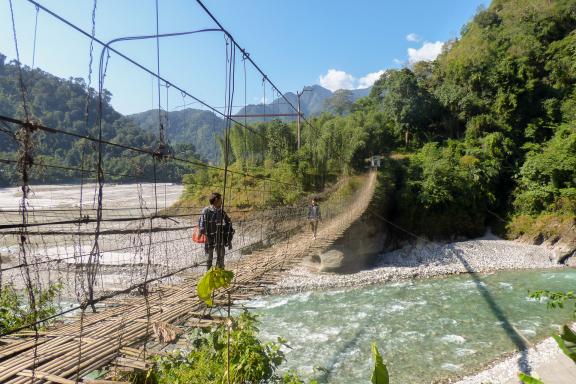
x=127 y=266
x=130 y=329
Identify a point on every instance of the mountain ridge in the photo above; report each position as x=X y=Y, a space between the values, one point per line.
x=312 y=102
x=200 y=127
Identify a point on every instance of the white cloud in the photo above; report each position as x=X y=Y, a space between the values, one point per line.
x=428 y=52
x=413 y=37
x=369 y=79
x=335 y=80
x=398 y=61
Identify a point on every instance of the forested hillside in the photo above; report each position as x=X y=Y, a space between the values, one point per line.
x=494 y=116
x=488 y=128
x=62 y=104
x=194 y=126
x=484 y=135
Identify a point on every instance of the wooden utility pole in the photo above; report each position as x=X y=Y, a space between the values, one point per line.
x=298 y=131
x=298 y=94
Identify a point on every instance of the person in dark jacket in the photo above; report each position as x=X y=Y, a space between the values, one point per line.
x=314 y=216
x=217 y=226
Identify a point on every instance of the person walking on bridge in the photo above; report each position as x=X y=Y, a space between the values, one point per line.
x=314 y=216
x=217 y=226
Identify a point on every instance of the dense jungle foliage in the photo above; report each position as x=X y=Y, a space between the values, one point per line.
x=483 y=135
x=490 y=124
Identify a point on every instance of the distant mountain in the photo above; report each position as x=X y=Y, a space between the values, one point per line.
x=359 y=93
x=60 y=104
x=190 y=126
x=312 y=102
x=200 y=127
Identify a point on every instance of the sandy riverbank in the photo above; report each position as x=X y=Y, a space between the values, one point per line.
x=543 y=360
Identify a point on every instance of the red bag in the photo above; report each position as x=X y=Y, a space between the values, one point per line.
x=198 y=237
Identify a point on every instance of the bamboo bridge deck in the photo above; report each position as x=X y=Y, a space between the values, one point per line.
x=125 y=333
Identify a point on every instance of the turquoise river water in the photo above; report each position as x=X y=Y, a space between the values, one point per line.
x=426 y=330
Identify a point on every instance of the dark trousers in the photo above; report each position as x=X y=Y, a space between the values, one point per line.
x=219 y=255
x=314 y=226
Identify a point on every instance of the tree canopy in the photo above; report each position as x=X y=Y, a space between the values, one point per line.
x=485 y=131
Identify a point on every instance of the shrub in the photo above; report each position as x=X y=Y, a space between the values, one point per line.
x=251 y=361
x=16 y=313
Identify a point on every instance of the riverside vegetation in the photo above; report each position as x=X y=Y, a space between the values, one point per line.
x=483 y=135
x=16 y=312
x=232 y=352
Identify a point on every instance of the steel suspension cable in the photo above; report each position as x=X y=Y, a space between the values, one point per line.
x=34 y=42
x=248 y=57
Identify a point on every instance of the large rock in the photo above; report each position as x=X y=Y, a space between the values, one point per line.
x=331 y=261
x=356 y=250
x=571 y=261
x=564 y=253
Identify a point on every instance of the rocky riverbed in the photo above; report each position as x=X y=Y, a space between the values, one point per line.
x=429 y=259
x=424 y=260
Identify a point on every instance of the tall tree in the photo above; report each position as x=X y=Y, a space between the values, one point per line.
x=412 y=107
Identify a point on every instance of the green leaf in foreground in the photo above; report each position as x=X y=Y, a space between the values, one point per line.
x=380 y=373
x=529 y=379
x=212 y=280
x=567 y=342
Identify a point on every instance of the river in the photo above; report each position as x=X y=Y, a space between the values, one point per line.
x=426 y=330
x=54 y=250
x=115 y=195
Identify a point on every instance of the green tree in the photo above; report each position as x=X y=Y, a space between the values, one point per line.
x=412 y=108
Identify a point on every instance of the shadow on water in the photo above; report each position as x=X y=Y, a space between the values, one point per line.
x=328 y=369
x=521 y=344
x=516 y=338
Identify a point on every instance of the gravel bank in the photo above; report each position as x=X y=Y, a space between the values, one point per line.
x=427 y=260
x=538 y=360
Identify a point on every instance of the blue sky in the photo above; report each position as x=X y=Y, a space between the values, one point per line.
x=337 y=44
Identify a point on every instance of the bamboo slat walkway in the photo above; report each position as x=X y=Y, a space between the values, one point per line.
x=122 y=333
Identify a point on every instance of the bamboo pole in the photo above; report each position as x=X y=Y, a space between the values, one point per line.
x=121 y=328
